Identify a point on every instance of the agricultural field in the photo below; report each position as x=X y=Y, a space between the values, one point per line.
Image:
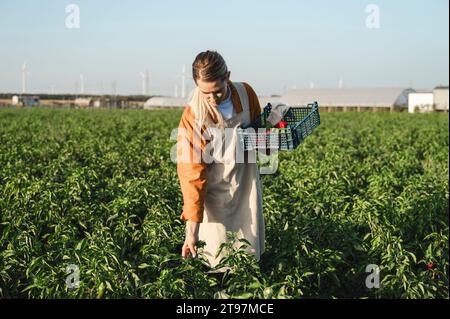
x=96 y=191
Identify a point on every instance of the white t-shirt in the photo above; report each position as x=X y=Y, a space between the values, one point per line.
x=226 y=107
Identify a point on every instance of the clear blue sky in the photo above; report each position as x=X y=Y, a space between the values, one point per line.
x=270 y=44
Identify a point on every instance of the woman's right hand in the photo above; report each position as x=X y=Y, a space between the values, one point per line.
x=189 y=250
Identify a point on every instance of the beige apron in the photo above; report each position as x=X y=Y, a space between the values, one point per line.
x=233 y=200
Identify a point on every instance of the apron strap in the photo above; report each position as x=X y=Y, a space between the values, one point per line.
x=242 y=92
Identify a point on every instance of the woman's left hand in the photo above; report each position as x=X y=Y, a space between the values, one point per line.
x=189 y=249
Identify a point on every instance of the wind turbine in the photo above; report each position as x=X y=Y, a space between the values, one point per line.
x=341 y=82
x=81 y=84
x=113 y=99
x=182 y=76
x=145 y=80
x=147 y=87
x=114 y=87
x=24 y=77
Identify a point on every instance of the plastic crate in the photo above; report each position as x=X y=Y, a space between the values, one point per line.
x=301 y=122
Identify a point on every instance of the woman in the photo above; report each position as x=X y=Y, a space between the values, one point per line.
x=218 y=196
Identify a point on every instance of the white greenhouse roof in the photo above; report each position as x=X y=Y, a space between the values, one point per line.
x=365 y=97
x=156 y=102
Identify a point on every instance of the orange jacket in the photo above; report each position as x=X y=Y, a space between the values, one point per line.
x=192 y=175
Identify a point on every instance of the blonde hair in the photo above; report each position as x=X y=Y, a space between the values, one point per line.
x=208 y=66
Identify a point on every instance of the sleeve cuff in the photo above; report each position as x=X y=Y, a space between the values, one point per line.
x=193 y=216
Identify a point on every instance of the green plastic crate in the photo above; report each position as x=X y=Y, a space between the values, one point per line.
x=302 y=120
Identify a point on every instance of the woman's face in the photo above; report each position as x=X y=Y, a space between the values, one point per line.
x=214 y=92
